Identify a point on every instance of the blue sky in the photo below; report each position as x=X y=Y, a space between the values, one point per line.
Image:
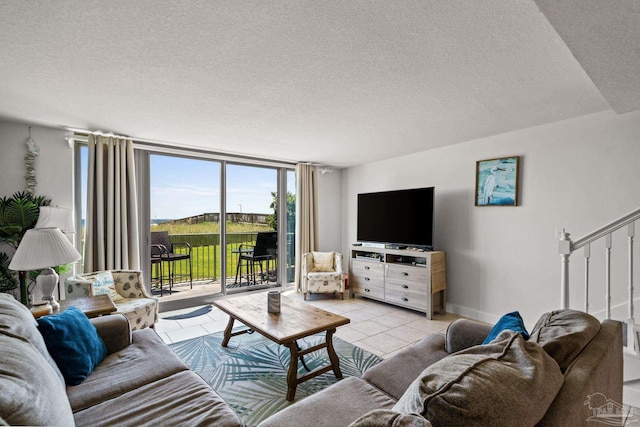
x=183 y=187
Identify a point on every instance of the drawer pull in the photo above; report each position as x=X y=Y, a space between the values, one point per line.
x=366 y=267
x=367 y=290
x=405 y=287
x=405 y=299
x=367 y=279
x=405 y=273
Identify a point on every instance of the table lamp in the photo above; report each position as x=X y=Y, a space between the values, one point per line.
x=54 y=216
x=41 y=249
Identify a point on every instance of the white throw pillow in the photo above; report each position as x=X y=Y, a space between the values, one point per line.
x=103 y=284
x=323 y=261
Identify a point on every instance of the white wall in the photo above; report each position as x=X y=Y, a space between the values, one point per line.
x=578 y=174
x=330 y=211
x=54 y=164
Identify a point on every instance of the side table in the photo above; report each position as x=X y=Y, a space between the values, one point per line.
x=91 y=306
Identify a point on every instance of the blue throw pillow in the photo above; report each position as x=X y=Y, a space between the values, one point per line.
x=73 y=342
x=510 y=321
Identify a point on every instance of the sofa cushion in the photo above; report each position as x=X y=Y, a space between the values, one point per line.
x=564 y=333
x=31 y=391
x=181 y=399
x=508 y=382
x=127 y=370
x=389 y=418
x=323 y=262
x=510 y=321
x=17 y=320
x=338 y=405
x=73 y=343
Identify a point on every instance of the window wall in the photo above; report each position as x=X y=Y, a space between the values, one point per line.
x=213 y=209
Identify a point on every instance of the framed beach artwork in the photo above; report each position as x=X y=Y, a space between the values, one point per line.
x=497 y=182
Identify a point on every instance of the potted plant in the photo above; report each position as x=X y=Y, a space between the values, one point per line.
x=18 y=214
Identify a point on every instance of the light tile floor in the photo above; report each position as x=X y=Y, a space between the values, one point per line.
x=379 y=328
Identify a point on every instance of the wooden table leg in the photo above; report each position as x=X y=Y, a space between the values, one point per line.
x=292 y=374
x=227 y=332
x=335 y=361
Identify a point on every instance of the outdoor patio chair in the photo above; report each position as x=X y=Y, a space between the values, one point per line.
x=265 y=250
x=162 y=251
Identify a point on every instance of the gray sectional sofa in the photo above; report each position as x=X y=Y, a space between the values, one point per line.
x=568 y=373
x=140 y=382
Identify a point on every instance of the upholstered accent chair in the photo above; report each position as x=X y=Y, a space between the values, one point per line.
x=322 y=273
x=125 y=288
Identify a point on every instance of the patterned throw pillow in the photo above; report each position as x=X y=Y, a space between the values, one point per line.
x=103 y=284
x=322 y=262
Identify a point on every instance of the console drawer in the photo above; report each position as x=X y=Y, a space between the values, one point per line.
x=367 y=286
x=407 y=297
x=406 y=272
x=367 y=268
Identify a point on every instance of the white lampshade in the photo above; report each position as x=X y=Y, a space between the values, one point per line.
x=43 y=248
x=61 y=218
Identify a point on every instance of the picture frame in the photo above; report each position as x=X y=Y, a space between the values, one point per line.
x=497 y=182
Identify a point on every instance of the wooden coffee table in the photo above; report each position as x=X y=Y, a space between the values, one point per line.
x=295 y=321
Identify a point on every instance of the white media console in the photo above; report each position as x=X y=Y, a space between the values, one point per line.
x=404 y=277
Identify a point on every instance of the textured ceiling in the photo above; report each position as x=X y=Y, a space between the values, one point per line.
x=337 y=83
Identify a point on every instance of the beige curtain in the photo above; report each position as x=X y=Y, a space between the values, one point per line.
x=306 y=215
x=111 y=229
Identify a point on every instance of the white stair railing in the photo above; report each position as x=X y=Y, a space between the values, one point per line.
x=566 y=247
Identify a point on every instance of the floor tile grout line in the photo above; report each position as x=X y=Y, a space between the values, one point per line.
x=366 y=310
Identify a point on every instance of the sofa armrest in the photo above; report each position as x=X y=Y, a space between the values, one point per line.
x=597 y=371
x=395 y=374
x=465 y=333
x=114 y=331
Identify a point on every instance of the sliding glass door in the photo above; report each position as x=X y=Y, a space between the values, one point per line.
x=251 y=228
x=185 y=226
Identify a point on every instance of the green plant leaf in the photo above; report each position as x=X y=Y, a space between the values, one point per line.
x=18 y=214
x=8 y=279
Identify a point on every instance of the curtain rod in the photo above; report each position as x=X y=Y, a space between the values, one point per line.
x=173 y=148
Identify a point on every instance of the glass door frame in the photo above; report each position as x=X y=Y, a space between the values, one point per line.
x=143 y=175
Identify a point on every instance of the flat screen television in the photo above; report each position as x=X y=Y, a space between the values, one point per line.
x=397 y=218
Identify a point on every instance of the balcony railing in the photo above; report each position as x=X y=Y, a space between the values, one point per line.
x=206 y=251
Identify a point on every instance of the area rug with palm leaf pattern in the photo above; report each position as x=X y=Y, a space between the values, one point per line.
x=251 y=373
